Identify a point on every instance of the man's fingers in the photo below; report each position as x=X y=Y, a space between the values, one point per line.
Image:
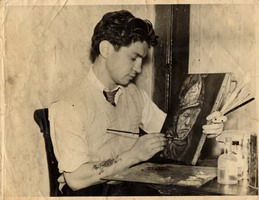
x=158 y=144
x=211 y=136
x=216 y=128
x=157 y=149
x=213 y=129
x=219 y=119
x=212 y=126
x=216 y=117
x=215 y=132
x=155 y=140
x=152 y=135
x=213 y=115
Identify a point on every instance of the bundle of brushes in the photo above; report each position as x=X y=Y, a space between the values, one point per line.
x=238 y=98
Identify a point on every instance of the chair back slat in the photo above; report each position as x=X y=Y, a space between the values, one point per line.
x=41 y=118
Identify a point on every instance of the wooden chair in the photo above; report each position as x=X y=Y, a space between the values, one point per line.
x=41 y=118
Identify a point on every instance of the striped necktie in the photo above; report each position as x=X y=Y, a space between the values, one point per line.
x=110 y=96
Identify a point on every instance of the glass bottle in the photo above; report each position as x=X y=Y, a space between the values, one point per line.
x=236 y=149
x=245 y=156
x=240 y=165
x=227 y=165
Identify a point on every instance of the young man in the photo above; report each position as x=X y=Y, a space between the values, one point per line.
x=106 y=99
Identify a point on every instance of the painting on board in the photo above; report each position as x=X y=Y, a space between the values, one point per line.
x=199 y=95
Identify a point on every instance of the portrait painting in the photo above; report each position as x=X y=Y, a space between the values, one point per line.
x=183 y=126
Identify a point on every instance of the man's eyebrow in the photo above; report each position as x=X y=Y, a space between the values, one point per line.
x=139 y=55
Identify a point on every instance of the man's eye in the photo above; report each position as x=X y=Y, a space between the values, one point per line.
x=133 y=59
x=186 y=115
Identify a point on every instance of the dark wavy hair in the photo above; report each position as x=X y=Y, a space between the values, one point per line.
x=121 y=28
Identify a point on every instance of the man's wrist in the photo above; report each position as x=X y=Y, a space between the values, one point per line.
x=129 y=158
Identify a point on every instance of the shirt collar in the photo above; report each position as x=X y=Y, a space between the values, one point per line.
x=100 y=87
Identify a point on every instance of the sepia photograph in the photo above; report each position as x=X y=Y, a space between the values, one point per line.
x=152 y=99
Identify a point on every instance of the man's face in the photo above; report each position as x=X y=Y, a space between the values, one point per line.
x=186 y=121
x=124 y=64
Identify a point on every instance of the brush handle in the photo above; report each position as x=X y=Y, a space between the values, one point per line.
x=234 y=95
x=239 y=106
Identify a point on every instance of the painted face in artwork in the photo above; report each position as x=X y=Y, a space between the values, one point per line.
x=191 y=99
x=124 y=64
x=186 y=121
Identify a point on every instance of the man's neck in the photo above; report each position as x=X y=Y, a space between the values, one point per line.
x=101 y=72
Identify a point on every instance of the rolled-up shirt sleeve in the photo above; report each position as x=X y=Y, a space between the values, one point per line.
x=152 y=117
x=67 y=135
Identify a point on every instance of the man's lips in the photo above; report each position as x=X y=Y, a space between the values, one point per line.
x=132 y=76
x=184 y=130
x=179 y=143
x=183 y=133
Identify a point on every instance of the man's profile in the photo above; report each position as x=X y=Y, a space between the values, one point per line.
x=106 y=98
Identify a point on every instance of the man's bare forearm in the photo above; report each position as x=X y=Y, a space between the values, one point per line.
x=91 y=173
x=104 y=164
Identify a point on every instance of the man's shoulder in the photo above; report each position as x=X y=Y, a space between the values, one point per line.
x=75 y=95
x=69 y=105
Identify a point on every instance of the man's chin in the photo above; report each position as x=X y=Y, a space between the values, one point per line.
x=179 y=142
x=124 y=84
x=183 y=134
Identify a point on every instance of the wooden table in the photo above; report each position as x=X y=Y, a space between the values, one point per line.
x=209 y=188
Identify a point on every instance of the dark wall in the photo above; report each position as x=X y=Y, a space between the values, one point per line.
x=172 y=53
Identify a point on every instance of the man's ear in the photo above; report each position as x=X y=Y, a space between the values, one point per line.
x=105 y=48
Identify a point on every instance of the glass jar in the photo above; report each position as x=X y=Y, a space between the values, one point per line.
x=227 y=165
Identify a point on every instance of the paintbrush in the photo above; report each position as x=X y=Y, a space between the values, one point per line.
x=239 y=106
x=235 y=94
x=141 y=133
x=239 y=101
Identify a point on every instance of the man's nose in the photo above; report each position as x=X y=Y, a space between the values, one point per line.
x=187 y=121
x=138 y=66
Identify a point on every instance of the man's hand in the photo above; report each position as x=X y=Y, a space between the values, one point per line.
x=148 y=145
x=216 y=124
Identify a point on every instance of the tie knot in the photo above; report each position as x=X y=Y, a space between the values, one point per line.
x=110 y=96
